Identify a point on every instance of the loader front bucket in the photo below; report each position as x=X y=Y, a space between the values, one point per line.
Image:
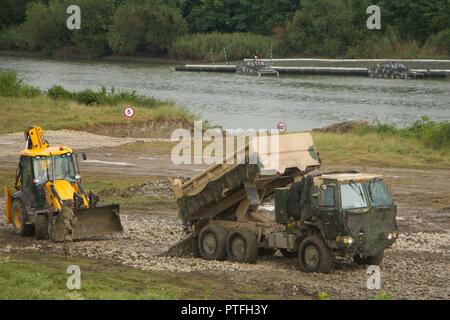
x=96 y=221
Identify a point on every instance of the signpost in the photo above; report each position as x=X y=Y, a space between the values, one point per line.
x=129 y=112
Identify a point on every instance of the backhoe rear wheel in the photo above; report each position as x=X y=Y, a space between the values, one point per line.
x=41 y=227
x=315 y=256
x=212 y=243
x=242 y=246
x=19 y=221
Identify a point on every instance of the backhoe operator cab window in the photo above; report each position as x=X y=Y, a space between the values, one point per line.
x=54 y=168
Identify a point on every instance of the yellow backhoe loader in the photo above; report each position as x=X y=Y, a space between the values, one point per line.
x=49 y=199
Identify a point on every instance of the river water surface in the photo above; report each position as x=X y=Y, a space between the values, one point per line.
x=232 y=101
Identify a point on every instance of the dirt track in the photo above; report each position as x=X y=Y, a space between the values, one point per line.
x=417 y=267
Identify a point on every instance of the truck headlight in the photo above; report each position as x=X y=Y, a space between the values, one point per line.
x=348 y=241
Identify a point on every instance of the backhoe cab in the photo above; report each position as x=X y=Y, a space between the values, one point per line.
x=49 y=198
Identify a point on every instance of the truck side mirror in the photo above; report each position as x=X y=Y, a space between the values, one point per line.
x=84 y=156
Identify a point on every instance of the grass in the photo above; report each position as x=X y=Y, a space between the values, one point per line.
x=376 y=150
x=238 y=46
x=37 y=276
x=23 y=105
x=19 y=113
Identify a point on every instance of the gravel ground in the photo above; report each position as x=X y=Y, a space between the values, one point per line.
x=12 y=143
x=417 y=267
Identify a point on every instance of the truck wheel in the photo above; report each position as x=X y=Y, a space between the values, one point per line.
x=289 y=254
x=314 y=255
x=41 y=227
x=212 y=243
x=242 y=246
x=369 y=261
x=19 y=215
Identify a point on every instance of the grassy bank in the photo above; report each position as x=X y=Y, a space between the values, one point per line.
x=37 y=276
x=376 y=150
x=58 y=108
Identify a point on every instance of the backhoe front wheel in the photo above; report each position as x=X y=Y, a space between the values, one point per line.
x=212 y=243
x=19 y=219
x=315 y=256
x=242 y=246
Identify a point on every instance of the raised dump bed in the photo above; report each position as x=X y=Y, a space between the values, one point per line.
x=220 y=188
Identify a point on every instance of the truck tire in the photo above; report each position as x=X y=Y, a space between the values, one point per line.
x=212 y=243
x=289 y=254
x=369 y=261
x=242 y=246
x=41 y=227
x=19 y=215
x=315 y=256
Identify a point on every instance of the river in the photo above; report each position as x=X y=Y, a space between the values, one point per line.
x=232 y=101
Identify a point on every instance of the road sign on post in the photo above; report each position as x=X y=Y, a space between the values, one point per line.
x=129 y=112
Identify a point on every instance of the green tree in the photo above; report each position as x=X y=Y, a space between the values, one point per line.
x=12 y=12
x=96 y=17
x=321 y=27
x=45 y=26
x=149 y=26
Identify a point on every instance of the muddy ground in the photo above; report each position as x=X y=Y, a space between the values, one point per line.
x=416 y=267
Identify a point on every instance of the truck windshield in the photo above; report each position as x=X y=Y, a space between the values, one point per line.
x=379 y=194
x=64 y=168
x=352 y=196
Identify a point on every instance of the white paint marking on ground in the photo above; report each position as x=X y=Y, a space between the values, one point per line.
x=109 y=162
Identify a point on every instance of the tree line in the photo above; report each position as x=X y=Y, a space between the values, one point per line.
x=328 y=28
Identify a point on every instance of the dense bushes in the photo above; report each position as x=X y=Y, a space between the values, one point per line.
x=145 y=27
x=102 y=97
x=328 y=28
x=237 y=46
x=434 y=134
x=11 y=86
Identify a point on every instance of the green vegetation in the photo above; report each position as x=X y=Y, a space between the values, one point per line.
x=37 y=276
x=237 y=46
x=433 y=134
x=145 y=26
x=383 y=296
x=323 y=296
x=378 y=150
x=76 y=110
x=329 y=28
x=11 y=86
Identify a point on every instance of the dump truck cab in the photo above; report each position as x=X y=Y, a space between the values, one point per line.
x=351 y=214
x=49 y=200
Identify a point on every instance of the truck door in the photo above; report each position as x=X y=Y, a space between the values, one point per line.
x=327 y=212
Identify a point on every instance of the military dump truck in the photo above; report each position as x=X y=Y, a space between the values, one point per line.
x=346 y=215
x=49 y=200
x=394 y=71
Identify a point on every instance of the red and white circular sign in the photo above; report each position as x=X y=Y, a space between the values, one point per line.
x=129 y=112
x=282 y=127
